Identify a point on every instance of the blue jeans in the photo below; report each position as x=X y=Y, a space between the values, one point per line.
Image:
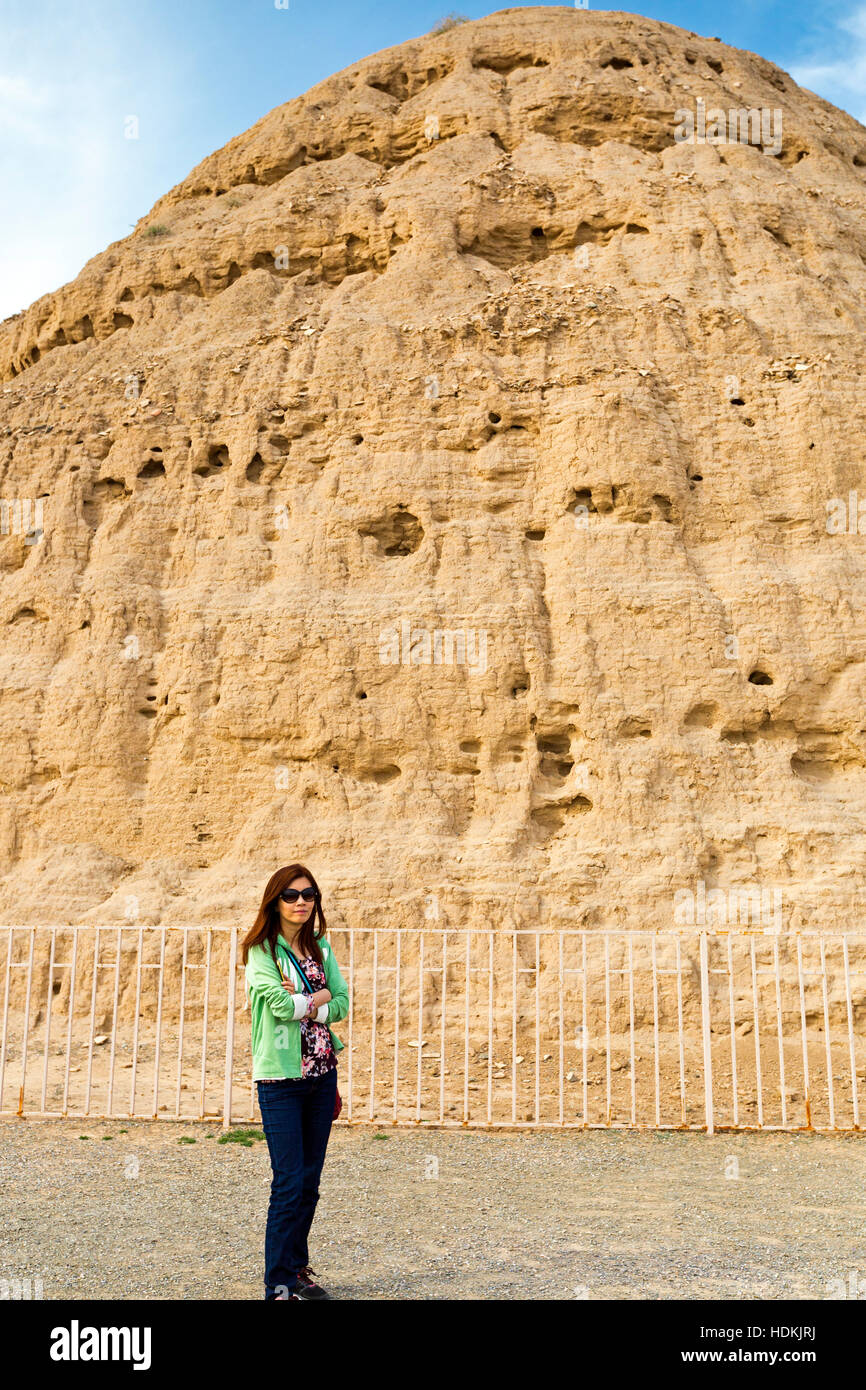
x=296 y=1118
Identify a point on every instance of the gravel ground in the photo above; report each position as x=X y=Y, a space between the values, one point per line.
x=436 y=1214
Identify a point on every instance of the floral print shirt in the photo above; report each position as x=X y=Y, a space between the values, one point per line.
x=317 y=1049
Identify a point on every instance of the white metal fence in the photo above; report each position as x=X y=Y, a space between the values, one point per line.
x=482 y=1029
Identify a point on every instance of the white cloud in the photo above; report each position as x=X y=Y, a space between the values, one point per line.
x=838 y=71
x=70 y=179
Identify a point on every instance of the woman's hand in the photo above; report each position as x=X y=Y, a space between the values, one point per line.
x=320 y=997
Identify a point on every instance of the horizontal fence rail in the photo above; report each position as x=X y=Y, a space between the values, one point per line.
x=484 y=1029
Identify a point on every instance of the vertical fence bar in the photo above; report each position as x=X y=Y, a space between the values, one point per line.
x=489 y=1027
x=466 y=1028
x=537 y=1024
x=680 y=1033
x=705 y=1029
x=851 y=1053
x=180 y=1022
x=584 y=1041
x=513 y=1028
x=756 y=1025
x=397 y=966
x=827 y=1044
x=114 y=1006
x=779 y=1029
x=442 y=1025
x=25 y=1039
x=420 y=1022
x=92 y=1019
x=608 y=1103
x=9 y=943
x=374 y=1009
x=735 y=1099
x=204 y=1022
x=230 y=1026
x=733 y=1025
x=48 y=1019
x=72 y=973
x=561 y=1002
x=631 y=1024
x=138 y=970
x=656 y=1034
x=159 y=989
x=806 y=1091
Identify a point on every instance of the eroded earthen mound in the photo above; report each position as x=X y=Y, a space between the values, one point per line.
x=461 y=355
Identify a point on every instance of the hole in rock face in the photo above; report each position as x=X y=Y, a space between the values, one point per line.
x=397 y=531
x=634 y=726
x=154 y=468
x=557 y=744
x=494 y=418
x=470 y=745
x=715 y=64
x=121 y=320
x=254 y=468
x=582 y=498
x=700 y=716
x=508 y=63
x=537 y=232
x=383 y=774
x=737 y=400
x=362 y=694
x=217 y=459
x=357 y=439
x=534 y=535
x=618 y=63
x=759 y=677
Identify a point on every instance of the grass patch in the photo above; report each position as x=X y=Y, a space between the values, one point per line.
x=450 y=21
x=241 y=1136
x=156 y=229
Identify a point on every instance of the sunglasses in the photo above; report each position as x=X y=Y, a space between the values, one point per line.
x=291 y=895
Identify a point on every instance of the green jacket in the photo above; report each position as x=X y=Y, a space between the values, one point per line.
x=275 y=1012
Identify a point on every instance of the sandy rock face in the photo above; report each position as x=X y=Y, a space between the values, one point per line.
x=453 y=483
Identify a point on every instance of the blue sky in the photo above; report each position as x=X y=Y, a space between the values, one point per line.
x=197 y=72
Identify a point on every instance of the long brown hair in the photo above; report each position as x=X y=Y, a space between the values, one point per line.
x=267 y=926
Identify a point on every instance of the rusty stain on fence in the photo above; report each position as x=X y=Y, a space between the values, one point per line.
x=536 y=1028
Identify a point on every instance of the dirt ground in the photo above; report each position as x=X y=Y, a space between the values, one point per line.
x=133 y=1211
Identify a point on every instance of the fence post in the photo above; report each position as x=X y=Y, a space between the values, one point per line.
x=230 y=1027
x=705 y=1027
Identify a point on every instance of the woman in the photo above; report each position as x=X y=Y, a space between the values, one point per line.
x=294 y=1064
